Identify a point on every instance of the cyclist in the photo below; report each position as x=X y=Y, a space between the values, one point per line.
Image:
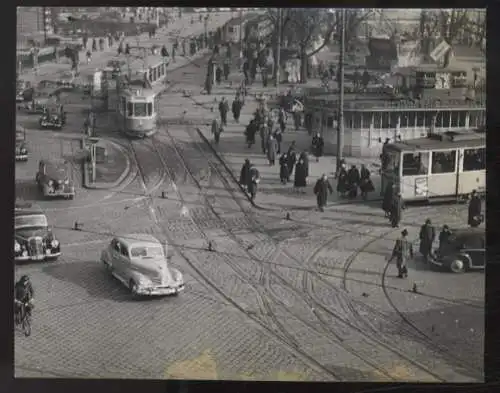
x=23 y=294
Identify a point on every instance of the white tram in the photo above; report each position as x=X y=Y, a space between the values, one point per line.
x=442 y=166
x=138 y=95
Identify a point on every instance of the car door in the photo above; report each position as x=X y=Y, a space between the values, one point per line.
x=474 y=247
x=115 y=255
x=124 y=262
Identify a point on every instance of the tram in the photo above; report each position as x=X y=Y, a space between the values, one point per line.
x=446 y=166
x=138 y=96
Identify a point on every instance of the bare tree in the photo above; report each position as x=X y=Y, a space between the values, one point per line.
x=302 y=27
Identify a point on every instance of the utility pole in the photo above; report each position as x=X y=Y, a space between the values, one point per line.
x=340 y=123
x=278 y=54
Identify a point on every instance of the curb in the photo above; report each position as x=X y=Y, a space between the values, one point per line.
x=103 y=186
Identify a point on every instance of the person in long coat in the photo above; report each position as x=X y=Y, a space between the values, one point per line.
x=282 y=119
x=300 y=181
x=366 y=184
x=292 y=158
x=226 y=69
x=427 y=236
x=223 y=109
x=342 y=181
x=305 y=158
x=317 y=146
x=284 y=174
x=474 y=216
x=272 y=148
x=236 y=108
x=353 y=179
x=253 y=180
x=321 y=190
x=444 y=238
x=264 y=132
x=397 y=210
x=94 y=45
x=216 y=130
x=218 y=75
x=387 y=200
x=403 y=252
x=250 y=132
x=279 y=138
x=245 y=173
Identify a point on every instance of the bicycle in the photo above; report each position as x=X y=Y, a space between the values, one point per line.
x=24 y=319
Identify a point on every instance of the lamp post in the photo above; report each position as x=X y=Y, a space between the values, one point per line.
x=340 y=123
x=278 y=54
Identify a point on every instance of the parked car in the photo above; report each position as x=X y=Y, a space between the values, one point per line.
x=21 y=150
x=34 y=239
x=54 y=178
x=465 y=250
x=24 y=91
x=139 y=262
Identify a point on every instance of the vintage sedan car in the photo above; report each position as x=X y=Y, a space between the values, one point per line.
x=54 y=178
x=139 y=262
x=24 y=91
x=21 y=150
x=34 y=240
x=464 y=251
x=51 y=120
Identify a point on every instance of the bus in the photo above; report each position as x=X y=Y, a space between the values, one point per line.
x=446 y=166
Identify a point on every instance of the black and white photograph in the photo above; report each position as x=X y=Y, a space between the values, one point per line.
x=250 y=194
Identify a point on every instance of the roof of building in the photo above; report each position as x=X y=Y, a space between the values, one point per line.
x=447 y=140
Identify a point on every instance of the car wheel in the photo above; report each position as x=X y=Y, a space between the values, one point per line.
x=457 y=266
x=133 y=287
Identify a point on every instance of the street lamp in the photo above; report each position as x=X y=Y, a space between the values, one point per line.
x=340 y=122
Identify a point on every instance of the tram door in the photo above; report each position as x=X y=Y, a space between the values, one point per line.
x=414 y=184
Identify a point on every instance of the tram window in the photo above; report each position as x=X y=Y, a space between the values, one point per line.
x=474 y=159
x=377 y=120
x=150 y=75
x=444 y=161
x=366 y=119
x=415 y=164
x=130 y=109
x=150 y=109
x=356 y=123
x=140 y=109
x=420 y=118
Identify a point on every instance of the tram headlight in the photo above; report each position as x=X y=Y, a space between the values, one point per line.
x=17 y=247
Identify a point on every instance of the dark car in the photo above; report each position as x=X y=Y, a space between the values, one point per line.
x=53 y=118
x=34 y=240
x=24 y=91
x=21 y=150
x=54 y=178
x=465 y=250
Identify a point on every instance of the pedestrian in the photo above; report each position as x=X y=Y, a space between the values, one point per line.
x=127 y=48
x=264 y=132
x=397 y=210
x=279 y=138
x=427 y=236
x=120 y=48
x=321 y=190
x=272 y=148
x=365 y=79
x=110 y=40
x=317 y=145
x=308 y=122
x=184 y=48
x=223 y=109
x=208 y=83
x=216 y=130
x=474 y=217
x=94 y=45
x=305 y=159
x=245 y=173
x=250 y=132
x=284 y=174
x=297 y=119
x=403 y=252
x=85 y=41
x=353 y=180
x=236 y=108
x=300 y=181
x=218 y=75
x=265 y=75
x=282 y=119
x=366 y=184
x=89 y=56
x=226 y=66
x=292 y=158
x=245 y=71
x=387 y=200
x=101 y=44
x=444 y=239
x=253 y=182
x=164 y=51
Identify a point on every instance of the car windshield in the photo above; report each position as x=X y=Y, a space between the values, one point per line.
x=146 y=252
x=31 y=221
x=58 y=171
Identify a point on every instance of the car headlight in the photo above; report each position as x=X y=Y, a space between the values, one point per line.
x=17 y=247
x=54 y=243
x=25 y=253
x=51 y=183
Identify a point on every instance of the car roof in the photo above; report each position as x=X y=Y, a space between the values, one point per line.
x=55 y=166
x=23 y=208
x=468 y=232
x=134 y=238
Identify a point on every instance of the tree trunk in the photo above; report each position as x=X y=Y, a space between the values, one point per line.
x=303 y=65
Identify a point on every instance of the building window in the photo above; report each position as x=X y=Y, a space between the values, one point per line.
x=329 y=121
x=420 y=118
x=348 y=120
x=386 y=119
x=377 y=120
x=356 y=123
x=230 y=29
x=130 y=109
x=444 y=161
x=476 y=119
x=366 y=119
x=462 y=116
x=405 y=120
x=474 y=159
x=415 y=164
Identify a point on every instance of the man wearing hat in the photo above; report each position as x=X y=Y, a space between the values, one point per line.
x=403 y=251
